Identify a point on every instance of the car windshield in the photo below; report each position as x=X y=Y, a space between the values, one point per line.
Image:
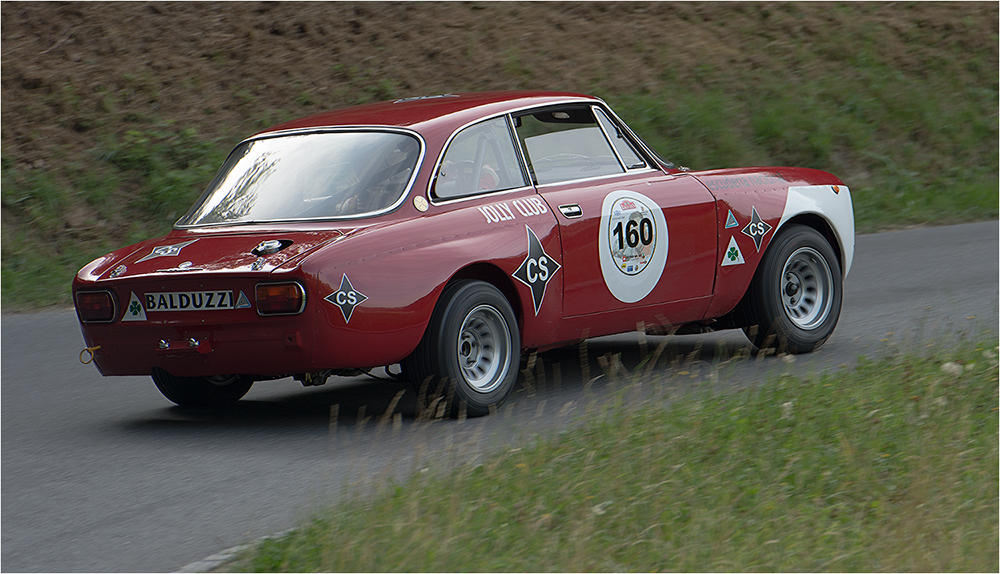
x=307 y=176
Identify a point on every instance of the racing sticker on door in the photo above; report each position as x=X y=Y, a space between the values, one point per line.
x=536 y=270
x=632 y=244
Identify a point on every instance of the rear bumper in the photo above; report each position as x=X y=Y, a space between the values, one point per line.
x=188 y=338
x=266 y=347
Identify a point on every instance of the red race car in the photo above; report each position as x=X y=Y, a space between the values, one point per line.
x=453 y=234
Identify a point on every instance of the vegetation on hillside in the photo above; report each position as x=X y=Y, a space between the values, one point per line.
x=114 y=119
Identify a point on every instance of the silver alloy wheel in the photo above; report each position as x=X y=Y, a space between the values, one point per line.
x=806 y=288
x=484 y=348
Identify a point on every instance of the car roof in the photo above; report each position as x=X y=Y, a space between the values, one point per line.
x=432 y=114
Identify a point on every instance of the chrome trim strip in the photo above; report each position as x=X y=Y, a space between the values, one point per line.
x=571 y=211
x=482 y=195
x=606 y=108
x=447 y=144
x=434 y=97
x=176 y=270
x=524 y=167
x=598 y=177
x=611 y=140
x=305 y=131
x=521 y=155
x=651 y=155
x=607 y=137
x=518 y=152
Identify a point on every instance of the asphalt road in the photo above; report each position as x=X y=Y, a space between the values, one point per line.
x=104 y=474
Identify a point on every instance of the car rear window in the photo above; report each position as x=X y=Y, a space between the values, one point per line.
x=309 y=176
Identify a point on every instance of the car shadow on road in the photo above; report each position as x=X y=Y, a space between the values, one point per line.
x=576 y=374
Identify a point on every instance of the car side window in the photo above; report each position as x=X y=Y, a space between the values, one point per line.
x=565 y=144
x=481 y=158
x=625 y=150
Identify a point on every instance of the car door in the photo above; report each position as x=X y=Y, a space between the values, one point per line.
x=634 y=237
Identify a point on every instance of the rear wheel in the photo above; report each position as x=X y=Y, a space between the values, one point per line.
x=472 y=344
x=793 y=303
x=214 y=391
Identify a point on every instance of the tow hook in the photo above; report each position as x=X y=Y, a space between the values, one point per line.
x=90 y=355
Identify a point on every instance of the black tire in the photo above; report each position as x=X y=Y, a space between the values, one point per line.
x=472 y=345
x=793 y=302
x=205 y=392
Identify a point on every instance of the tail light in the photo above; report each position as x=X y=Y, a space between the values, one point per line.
x=96 y=306
x=280 y=298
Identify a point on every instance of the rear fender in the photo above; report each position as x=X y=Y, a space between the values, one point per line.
x=374 y=305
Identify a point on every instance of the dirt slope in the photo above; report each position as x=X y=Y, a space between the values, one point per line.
x=74 y=72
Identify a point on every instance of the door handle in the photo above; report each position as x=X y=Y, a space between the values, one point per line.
x=571 y=211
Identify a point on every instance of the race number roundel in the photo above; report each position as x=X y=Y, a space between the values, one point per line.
x=632 y=244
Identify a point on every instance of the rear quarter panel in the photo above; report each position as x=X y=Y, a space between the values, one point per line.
x=398 y=271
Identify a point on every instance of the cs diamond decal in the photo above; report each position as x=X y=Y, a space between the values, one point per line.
x=756 y=229
x=536 y=270
x=346 y=298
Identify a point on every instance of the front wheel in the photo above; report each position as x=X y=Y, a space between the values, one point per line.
x=206 y=392
x=793 y=303
x=473 y=344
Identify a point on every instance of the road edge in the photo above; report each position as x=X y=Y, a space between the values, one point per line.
x=214 y=561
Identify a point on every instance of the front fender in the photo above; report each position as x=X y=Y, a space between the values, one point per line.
x=778 y=196
x=833 y=204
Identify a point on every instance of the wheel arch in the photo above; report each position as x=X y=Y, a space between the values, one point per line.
x=829 y=210
x=464 y=368
x=489 y=273
x=763 y=312
x=479 y=271
x=824 y=227
x=737 y=316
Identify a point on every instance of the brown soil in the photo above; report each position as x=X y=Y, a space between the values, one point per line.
x=75 y=72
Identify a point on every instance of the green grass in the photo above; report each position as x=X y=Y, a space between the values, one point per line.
x=913 y=150
x=890 y=466
x=134 y=188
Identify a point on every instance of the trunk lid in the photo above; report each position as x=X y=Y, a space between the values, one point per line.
x=257 y=252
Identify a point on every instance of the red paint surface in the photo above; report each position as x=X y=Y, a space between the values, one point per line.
x=401 y=261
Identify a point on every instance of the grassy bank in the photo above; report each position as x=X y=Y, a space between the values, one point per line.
x=139 y=184
x=900 y=101
x=891 y=466
x=142 y=181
